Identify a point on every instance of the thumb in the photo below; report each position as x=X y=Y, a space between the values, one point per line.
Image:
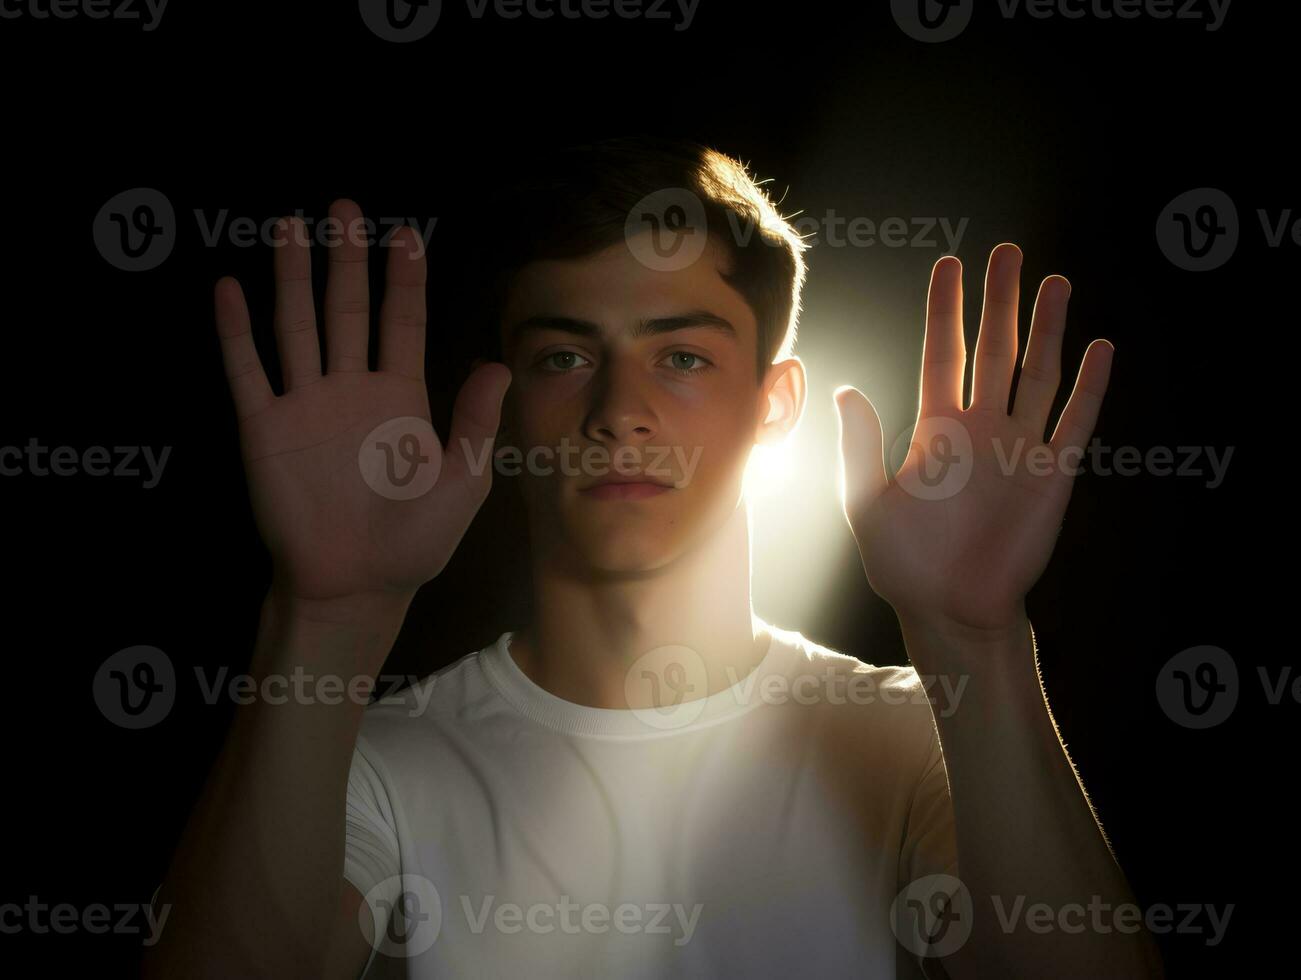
x=862 y=460
x=475 y=419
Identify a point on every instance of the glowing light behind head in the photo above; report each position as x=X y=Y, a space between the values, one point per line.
x=799 y=535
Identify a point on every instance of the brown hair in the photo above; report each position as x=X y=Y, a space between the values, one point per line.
x=577 y=200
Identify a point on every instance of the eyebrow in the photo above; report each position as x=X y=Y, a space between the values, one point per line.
x=644 y=328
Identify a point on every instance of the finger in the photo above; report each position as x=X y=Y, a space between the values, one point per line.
x=944 y=353
x=402 y=316
x=347 y=294
x=995 y=361
x=862 y=457
x=1075 y=427
x=476 y=417
x=1041 y=371
x=295 y=317
x=248 y=382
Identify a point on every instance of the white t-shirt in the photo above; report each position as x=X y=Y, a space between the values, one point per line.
x=763 y=831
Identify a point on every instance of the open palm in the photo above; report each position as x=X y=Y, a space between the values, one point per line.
x=331 y=534
x=965 y=528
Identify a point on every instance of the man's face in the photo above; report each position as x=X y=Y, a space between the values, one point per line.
x=624 y=372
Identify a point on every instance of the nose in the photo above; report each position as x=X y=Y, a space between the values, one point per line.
x=621 y=412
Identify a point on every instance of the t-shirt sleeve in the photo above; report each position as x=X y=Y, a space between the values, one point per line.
x=930 y=843
x=930 y=846
x=371 y=861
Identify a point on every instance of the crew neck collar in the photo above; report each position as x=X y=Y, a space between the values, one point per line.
x=568 y=717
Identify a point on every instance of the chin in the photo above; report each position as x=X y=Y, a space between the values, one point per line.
x=625 y=550
x=625 y=564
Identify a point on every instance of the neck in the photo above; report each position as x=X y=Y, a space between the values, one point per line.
x=589 y=632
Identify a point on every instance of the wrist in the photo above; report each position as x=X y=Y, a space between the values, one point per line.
x=355 y=610
x=940 y=644
x=351 y=633
x=991 y=629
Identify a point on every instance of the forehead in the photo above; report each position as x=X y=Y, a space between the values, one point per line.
x=612 y=287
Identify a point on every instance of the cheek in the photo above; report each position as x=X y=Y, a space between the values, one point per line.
x=724 y=444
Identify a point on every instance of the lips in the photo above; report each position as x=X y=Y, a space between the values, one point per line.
x=621 y=487
x=625 y=490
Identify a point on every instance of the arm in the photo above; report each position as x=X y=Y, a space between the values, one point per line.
x=256 y=884
x=1026 y=831
x=954 y=541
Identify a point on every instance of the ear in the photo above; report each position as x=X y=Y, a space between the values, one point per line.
x=783 y=400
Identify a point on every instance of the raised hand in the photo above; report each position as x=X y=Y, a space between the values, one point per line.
x=330 y=534
x=959 y=535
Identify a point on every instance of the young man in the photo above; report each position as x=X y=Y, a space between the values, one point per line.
x=646 y=780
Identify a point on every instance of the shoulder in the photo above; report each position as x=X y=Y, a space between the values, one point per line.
x=885 y=703
x=871 y=725
x=406 y=708
x=819 y=661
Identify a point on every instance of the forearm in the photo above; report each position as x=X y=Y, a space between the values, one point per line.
x=1025 y=831
x=255 y=881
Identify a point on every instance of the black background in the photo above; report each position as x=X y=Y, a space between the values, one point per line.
x=1066 y=136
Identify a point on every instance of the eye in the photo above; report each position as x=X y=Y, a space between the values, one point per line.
x=568 y=357
x=676 y=362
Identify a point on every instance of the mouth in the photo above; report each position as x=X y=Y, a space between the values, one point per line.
x=626 y=489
